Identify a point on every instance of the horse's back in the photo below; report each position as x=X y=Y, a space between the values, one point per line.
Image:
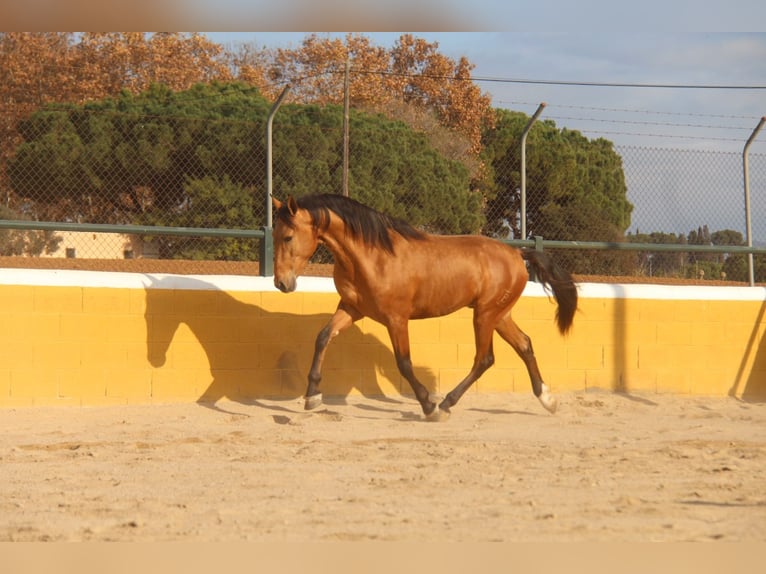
x=454 y=271
x=475 y=252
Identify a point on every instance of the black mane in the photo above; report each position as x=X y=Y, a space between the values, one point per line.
x=361 y=221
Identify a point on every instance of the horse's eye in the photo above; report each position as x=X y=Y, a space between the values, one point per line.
x=288 y=239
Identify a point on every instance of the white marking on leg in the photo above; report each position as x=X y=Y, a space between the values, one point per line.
x=547 y=399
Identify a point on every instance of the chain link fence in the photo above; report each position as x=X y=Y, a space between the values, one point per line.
x=694 y=197
x=678 y=191
x=196 y=173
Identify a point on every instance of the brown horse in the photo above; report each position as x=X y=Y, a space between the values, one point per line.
x=389 y=271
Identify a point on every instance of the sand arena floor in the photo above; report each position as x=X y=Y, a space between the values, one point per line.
x=606 y=467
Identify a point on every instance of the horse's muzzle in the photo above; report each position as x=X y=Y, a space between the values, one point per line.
x=285 y=286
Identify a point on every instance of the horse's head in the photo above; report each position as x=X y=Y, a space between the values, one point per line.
x=295 y=240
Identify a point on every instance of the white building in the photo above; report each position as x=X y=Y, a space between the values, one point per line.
x=87 y=245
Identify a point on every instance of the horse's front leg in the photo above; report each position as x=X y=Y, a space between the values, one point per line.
x=342 y=319
x=483 y=360
x=400 y=340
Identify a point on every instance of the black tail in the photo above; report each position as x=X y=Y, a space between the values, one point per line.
x=547 y=271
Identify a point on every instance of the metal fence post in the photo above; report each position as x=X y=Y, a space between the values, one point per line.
x=539 y=248
x=266 y=251
x=746 y=174
x=523 y=215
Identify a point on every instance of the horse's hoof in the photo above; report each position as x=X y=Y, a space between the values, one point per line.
x=549 y=401
x=435 y=398
x=438 y=415
x=313 y=402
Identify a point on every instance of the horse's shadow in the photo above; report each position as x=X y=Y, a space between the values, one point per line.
x=754 y=382
x=231 y=331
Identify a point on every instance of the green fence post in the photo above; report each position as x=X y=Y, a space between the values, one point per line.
x=266 y=263
x=538 y=247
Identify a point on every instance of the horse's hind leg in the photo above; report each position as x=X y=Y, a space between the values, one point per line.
x=522 y=344
x=342 y=319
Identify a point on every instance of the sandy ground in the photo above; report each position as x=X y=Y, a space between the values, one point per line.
x=606 y=467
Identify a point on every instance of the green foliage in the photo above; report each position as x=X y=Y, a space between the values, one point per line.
x=660 y=263
x=395 y=170
x=198 y=158
x=733 y=266
x=391 y=168
x=575 y=188
x=111 y=160
x=210 y=203
x=696 y=265
x=566 y=174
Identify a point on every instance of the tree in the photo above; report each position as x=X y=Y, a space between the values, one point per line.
x=412 y=72
x=660 y=263
x=40 y=68
x=575 y=188
x=210 y=202
x=112 y=160
x=733 y=265
x=392 y=168
x=159 y=156
x=110 y=62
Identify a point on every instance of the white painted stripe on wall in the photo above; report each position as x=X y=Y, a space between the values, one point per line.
x=117 y=280
x=73 y=278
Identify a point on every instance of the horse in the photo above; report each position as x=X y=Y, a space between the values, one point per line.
x=391 y=272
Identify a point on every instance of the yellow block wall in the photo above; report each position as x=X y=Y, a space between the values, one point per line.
x=94 y=345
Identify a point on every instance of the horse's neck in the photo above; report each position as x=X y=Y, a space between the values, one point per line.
x=344 y=255
x=351 y=255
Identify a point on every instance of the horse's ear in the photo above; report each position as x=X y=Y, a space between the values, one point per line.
x=292 y=205
x=276 y=203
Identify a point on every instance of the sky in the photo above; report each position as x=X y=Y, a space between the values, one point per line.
x=687 y=90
